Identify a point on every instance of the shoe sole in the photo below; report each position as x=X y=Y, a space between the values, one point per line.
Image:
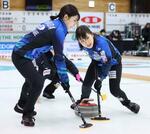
x=27 y=124
x=46 y=96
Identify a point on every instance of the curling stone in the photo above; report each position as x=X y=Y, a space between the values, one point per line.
x=87 y=109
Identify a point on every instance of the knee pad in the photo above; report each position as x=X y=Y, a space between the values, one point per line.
x=55 y=84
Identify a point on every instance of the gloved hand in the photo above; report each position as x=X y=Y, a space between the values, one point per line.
x=73 y=106
x=78 y=77
x=98 y=85
x=65 y=86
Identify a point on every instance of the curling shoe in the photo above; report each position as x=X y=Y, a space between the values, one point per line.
x=48 y=96
x=133 y=107
x=28 y=120
x=19 y=109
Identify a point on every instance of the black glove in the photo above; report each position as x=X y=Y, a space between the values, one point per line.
x=98 y=85
x=65 y=86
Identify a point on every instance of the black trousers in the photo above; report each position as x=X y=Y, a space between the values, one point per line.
x=114 y=83
x=34 y=79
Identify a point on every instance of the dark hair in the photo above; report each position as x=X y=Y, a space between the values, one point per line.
x=81 y=32
x=115 y=34
x=68 y=9
x=102 y=31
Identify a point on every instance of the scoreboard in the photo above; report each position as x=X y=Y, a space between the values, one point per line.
x=21 y=21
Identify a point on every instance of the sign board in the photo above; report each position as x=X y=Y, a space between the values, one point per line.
x=21 y=21
x=117 y=21
x=94 y=20
x=5 y=4
x=111 y=7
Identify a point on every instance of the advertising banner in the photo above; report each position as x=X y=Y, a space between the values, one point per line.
x=94 y=20
x=15 y=24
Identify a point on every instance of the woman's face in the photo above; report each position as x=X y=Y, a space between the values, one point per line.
x=70 y=21
x=88 y=42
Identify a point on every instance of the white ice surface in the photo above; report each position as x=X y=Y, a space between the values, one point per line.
x=56 y=117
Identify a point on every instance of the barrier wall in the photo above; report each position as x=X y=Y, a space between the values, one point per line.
x=14 y=24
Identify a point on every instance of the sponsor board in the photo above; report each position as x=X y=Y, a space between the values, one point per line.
x=94 y=20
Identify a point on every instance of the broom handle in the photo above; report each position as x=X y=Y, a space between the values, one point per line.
x=98 y=93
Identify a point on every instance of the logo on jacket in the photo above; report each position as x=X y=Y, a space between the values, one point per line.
x=96 y=56
x=91 y=19
x=41 y=27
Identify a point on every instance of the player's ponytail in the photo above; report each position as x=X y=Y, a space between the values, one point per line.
x=68 y=9
x=54 y=17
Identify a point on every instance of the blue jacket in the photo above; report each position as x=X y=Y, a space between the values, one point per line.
x=101 y=50
x=47 y=35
